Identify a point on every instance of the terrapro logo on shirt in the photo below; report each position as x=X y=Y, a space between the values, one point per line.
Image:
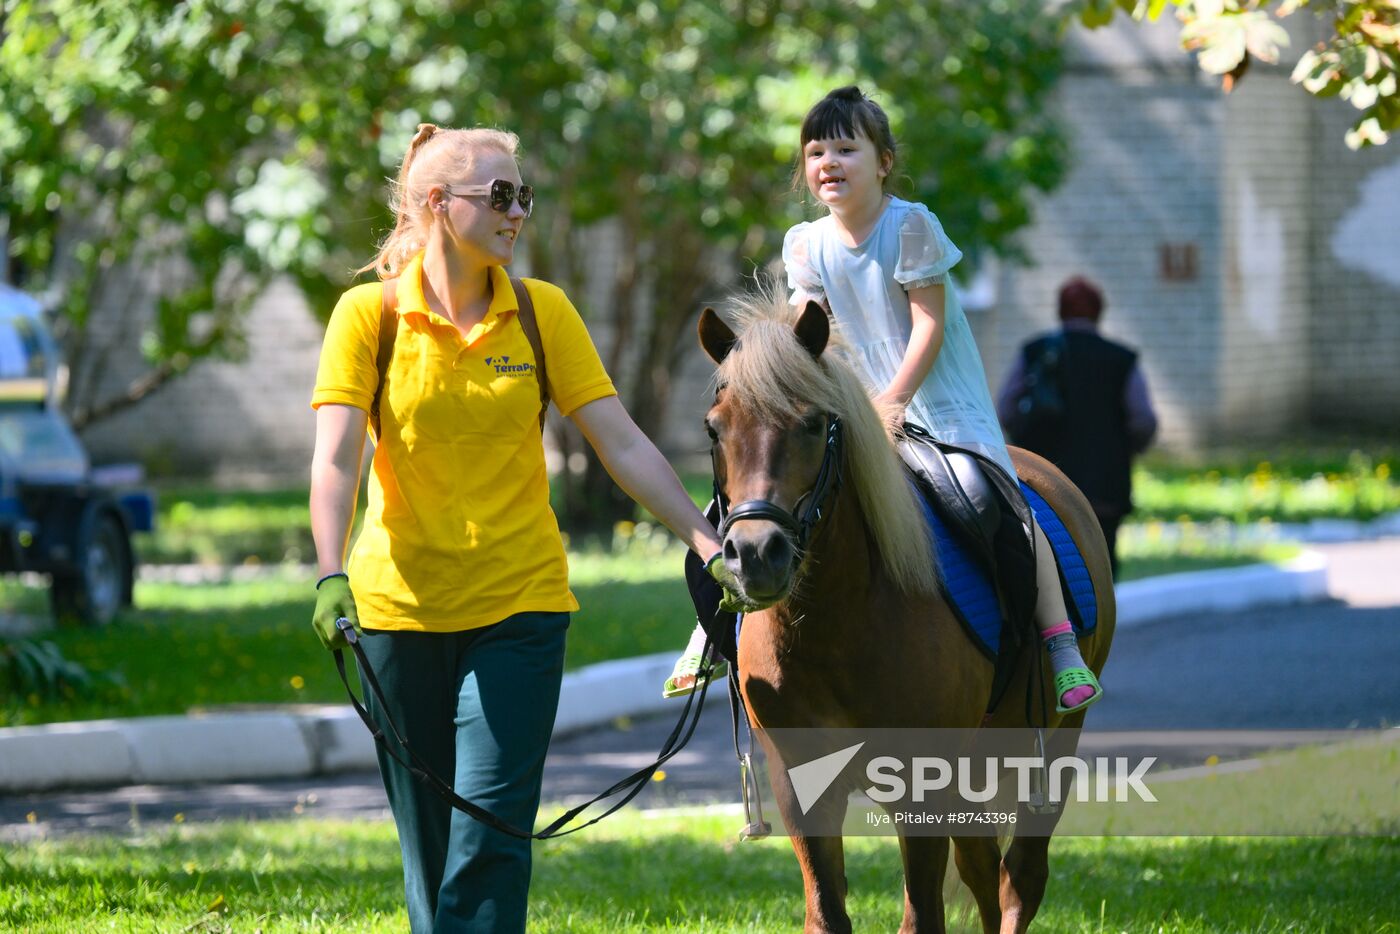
x=503 y=367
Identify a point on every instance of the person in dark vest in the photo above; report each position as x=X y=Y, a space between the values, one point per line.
x=1091 y=412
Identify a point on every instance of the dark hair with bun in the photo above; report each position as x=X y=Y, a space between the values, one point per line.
x=847 y=113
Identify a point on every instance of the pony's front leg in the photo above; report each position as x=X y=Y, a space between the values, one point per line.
x=822 y=859
x=925 y=864
x=823 y=862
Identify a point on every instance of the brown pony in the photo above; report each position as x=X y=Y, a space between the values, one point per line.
x=856 y=633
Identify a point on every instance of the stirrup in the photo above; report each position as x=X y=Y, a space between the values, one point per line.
x=692 y=664
x=1073 y=678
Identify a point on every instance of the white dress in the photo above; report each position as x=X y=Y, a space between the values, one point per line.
x=867 y=286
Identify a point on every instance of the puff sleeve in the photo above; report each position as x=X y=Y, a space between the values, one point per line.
x=801 y=275
x=925 y=252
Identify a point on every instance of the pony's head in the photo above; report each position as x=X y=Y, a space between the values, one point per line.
x=782 y=383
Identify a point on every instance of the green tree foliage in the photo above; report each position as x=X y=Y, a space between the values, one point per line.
x=1358 y=60
x=683 y=129
x=181 y=156
x=188 y=153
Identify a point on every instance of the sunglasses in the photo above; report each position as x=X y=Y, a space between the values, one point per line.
x=501 y=193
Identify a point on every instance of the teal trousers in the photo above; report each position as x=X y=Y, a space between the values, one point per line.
x=478 y=707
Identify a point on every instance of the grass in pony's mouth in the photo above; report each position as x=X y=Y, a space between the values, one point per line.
x=764 y=601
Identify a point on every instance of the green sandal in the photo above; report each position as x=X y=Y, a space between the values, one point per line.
x=1073 y=678
x=690 y=664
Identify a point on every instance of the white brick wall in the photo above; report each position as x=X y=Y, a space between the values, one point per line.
x=241 y=420
x=1265 y=215
x=1294 y=317
x=1354 y=287
x=1142 y=175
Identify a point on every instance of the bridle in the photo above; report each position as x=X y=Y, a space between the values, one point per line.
x=798 y=525
x=806 y=512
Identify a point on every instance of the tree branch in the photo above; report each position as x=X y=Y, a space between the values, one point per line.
x=147 y=383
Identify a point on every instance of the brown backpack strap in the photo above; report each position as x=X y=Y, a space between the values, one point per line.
x=531 y=326
x=388 y=331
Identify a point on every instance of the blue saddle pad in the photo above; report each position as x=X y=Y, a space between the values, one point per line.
x=968 y=584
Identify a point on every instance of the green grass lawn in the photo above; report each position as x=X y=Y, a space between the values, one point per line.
x=251 y=643
x=1286 y=485
x=1324 y=482
x=682 y=871
x=189 y=646
x=1145 y=554
x=1336 y=789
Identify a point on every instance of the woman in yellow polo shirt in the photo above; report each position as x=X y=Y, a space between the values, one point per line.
x=459 y=578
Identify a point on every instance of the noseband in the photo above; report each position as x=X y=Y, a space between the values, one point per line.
x=799 y=523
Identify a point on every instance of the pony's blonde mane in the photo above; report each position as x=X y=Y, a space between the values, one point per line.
x=771 y=374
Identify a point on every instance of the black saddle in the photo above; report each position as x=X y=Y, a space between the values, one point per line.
x=986 y=510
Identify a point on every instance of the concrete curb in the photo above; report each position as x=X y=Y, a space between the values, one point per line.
x=321 y=740
x=1223 y=590
x=316 y=740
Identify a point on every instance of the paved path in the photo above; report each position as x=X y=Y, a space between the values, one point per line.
x=1325 y=666
x=578 y=768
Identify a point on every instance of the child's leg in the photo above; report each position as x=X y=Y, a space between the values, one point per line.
x=706 y=594
x=1075 y=684
x=689 y=665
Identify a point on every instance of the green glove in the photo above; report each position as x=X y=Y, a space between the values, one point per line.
x=334 y=601
x=733 y=600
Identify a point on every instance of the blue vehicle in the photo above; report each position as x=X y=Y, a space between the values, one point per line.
x=58 y=515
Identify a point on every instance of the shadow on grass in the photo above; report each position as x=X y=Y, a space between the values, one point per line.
x=673 y=881
x=1180 y=884
x=172 y=880
x=346 y=877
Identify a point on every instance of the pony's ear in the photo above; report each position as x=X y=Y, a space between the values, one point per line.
x=715 y=335
x=813 y=329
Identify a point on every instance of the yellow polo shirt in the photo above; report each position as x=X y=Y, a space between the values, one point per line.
x=458 y=533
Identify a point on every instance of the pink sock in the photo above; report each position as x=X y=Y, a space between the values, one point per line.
x=1064 y=653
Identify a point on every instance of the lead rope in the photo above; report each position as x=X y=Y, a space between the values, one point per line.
x=680 y=735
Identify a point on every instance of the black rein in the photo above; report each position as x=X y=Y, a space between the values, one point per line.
x=799 y=523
